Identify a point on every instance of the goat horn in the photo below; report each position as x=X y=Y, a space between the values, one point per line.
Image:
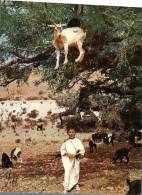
x=51 y=25
x=60 y=24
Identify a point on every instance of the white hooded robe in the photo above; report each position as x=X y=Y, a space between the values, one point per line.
x=71 y=165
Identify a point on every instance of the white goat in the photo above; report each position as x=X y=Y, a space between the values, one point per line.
x=16 y=154
x=65 y=38
x=97 y=114
x=83 y=115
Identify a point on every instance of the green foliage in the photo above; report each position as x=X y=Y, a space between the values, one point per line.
x=24 y=32
x=25 y=24
x=60 y=78
x=12 y=74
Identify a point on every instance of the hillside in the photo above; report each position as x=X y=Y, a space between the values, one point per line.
x=26 y=90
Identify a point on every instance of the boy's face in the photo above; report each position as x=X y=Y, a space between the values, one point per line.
x=71 y=133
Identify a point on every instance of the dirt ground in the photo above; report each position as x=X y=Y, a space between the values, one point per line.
x=41 y=172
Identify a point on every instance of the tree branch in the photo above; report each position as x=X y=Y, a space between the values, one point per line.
x=18 y=60
x=109 y=89
x=7 y=82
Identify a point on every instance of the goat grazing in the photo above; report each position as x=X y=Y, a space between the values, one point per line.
x=16 y=154
x=135 y=187
x=99 y=137
x=40 y=127
x=65 y=38
x=120 y=154
x=109 y=139
x=92 y=145
x=6 y=162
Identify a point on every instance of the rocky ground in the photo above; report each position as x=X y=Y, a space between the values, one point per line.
x=30 y=90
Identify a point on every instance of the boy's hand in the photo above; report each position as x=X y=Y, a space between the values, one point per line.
x=77 y=154
x=70 y=155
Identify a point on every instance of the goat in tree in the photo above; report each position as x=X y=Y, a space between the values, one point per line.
x=65 y=38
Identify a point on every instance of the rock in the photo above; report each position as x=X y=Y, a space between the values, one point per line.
x=52 y=178
x=110 y=188
x=43 y=178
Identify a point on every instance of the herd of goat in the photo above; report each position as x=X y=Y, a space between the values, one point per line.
x=105 y=138
x=135 y=187
x=108 y=138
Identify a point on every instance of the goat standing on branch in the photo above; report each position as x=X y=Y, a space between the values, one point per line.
x=65 y=38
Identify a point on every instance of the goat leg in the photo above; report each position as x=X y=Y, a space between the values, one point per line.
x=81 y=51
x=66 y=53
x=57 y=59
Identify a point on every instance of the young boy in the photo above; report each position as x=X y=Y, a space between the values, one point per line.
x=71 y=151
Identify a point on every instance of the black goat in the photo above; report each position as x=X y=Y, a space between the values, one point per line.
x=92 y=145
x=74 y=22
x=135 y=187
x=6 y=162
x=40 y=127
x=58 y=156
x=120 y=154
